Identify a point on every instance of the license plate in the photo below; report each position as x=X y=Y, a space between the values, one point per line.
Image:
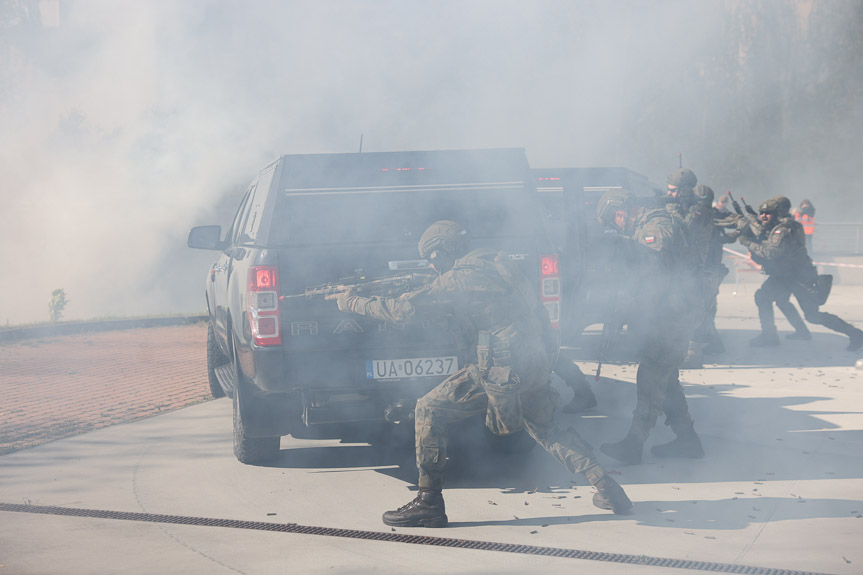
x=413 y=367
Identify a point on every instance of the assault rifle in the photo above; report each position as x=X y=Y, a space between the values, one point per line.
x=390 y=286
x=734 y=203
x=609 y=328
x=751 y=215
x=749 y=209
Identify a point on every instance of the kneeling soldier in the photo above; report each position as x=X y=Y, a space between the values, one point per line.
x=506 y=377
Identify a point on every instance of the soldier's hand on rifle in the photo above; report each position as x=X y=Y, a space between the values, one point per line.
x=742 y=223
x=342 y=297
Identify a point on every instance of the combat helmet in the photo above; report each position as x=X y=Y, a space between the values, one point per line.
x=446 y=236
x=612 y=201
x=703 y=192
x=779 y=205
x=682 y=178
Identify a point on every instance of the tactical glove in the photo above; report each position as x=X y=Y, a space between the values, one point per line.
x=349 y=301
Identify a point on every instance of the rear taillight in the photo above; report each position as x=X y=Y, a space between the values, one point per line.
x=263 y=305
x=549 y=287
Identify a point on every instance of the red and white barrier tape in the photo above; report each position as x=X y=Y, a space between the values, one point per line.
x=835 y=265
x=857 y=266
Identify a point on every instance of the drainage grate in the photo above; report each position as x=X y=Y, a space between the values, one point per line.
x=403 y=538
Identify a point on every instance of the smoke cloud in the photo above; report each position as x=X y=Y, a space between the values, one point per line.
x=124 y=124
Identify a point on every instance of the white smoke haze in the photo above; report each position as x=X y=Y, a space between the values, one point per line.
x=130 y=122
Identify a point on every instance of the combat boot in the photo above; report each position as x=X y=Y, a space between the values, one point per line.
x=686 y=444
x=694 y=356
x=627 y=450
x=427 y=509
x=800 y=334
x=765 y=339
x=856 y=340
x=693 y=360
x=610 y=495
x=715 y=347
x=583 y=400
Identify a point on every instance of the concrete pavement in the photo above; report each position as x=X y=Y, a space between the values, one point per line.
x=781 y=486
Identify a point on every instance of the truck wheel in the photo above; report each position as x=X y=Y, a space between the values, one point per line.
x=251 y=450
x=248 y=449
x=215 y=358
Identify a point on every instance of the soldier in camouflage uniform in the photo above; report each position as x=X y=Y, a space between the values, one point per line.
x=780 y=248
x=715 y=272
x=694 y=206
x=667 y=293
x=489 y=299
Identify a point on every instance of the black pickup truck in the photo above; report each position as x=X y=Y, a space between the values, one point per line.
x=291 y=361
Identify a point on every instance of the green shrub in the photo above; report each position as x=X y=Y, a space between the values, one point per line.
x=57 y=304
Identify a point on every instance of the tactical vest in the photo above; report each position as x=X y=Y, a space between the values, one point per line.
x=506 y=322
x=505 y=325
x=677 y=252
x=792 y=261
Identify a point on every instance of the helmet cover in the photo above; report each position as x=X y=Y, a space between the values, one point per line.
x=682 y=178
x=443 y=235
x=703 y=192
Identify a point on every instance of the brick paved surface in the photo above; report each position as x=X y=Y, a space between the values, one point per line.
x=61 y=386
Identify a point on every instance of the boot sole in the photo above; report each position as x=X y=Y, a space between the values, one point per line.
x=601 y=503
x=433 y=522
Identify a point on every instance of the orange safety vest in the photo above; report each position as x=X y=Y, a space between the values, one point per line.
x=807 y=221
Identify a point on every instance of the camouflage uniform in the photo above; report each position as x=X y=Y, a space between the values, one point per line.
x=715 y=271
x=666 y=296
x=781 y=251
x=669 y=298
x=695 y=210
x=507 y=374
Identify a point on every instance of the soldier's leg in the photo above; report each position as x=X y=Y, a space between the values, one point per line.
x=675 y=407
x=810 y=306
x=651 y=382
x=686 y=443
x=770 y=291
x=662 y=356
x=709 y=331
x=583 y=397
x=651 y=386
x=700 y=325
x=457 y=398
x=705 y=332
x=538 y=405
x=700 y=339
x=789 y=310
x=715 y=344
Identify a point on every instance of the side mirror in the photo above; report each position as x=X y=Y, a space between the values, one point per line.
x=206 y=238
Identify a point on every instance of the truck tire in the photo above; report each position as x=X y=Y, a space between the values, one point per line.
x=215 y=358
x=248 y=449
x=251 y=450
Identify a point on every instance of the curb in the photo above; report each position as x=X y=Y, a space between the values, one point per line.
x=51 y=330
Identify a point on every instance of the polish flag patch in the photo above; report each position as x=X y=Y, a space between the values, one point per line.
x=778 y=232
x=649 y=239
